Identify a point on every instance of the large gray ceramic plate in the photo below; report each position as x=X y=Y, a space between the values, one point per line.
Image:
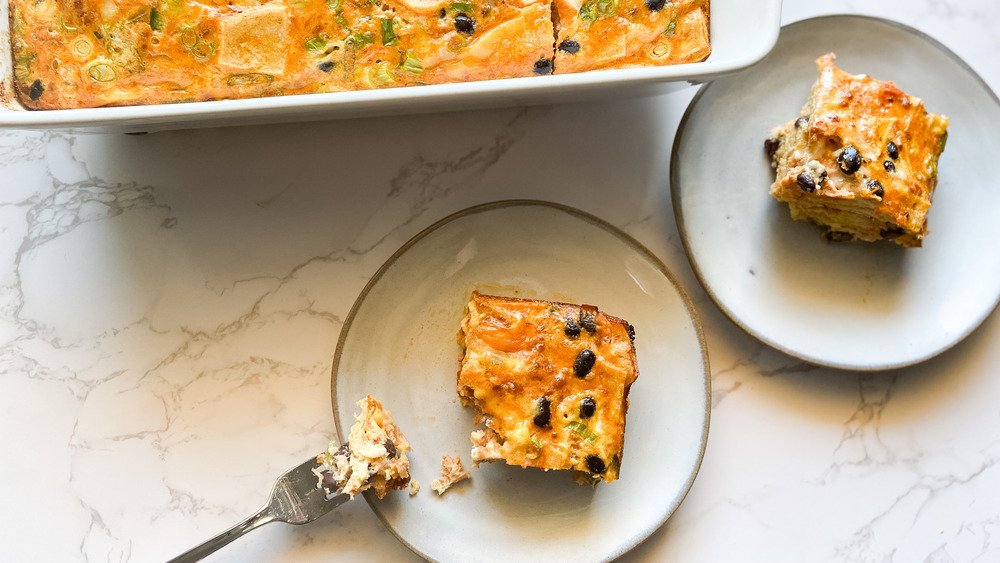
x=855 y=305
x=399 y=343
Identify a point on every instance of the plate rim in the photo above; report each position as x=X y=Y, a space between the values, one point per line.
x=689 y=307
x=677 y=200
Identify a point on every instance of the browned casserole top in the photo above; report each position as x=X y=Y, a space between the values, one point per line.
x=89 y=53
x=551 y=380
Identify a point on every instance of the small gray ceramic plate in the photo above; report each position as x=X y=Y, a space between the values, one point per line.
x=399 y=344
x=855 y=305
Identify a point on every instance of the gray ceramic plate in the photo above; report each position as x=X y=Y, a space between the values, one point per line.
x=399 y=343
x=856 y=305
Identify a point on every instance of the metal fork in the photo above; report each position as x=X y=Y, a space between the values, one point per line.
x=295 y=499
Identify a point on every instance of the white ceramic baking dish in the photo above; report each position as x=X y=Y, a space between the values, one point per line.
x=741 y=34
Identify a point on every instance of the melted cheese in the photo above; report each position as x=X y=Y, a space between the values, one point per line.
x=91 y=53
x=858 y=111
x=517 y=354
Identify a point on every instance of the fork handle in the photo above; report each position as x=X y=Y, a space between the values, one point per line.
x=263 y=516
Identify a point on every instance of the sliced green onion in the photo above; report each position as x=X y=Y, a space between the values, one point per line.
x=359 y=40
x=932 y=166
x=584 y=432
x=382 y=75
x=411 y=63
x=22 y=73
x=660 y=49
x=337 y=8
x=536 y=442
x=155 y=19
x=388 y=35
x=203 y=51
x=22 y=65
x=461 y=7
x=189 y=37
x=25 y=57
x=595 y=9
x=607 y=8
x=249 y=79
x=671 y=27
x=102 y=72
x=17 y=22
x=316 y=44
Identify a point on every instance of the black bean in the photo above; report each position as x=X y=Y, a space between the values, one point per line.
x=587 y=322
x=329 y=481
x=572 y=329
x=390 y=448
x=344 y=450
x=327 y=66
x=442 y=14
x=889 y=166
x=849 y=160
x=838 y=236
x=587 y=407
x=875 y=187
x=801 y=122
x=892 y=150
x=655 y=5
x=891 y=233
x=542 y=412
x=543 y=66
x=806 y=182
x=569 y=46
x=36 y=90
x=585 y=361
x=595 y=464
x=771 y=147
x=465 y=24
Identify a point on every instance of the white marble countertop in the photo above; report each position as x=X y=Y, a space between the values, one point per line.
x=171 y=303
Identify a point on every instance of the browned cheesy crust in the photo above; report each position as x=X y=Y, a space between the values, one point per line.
x=550 y=382
x=594 y=34
x=861 y=160
x=92 y=53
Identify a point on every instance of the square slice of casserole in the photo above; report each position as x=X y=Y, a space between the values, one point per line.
x=860 y=160
x=550 y=382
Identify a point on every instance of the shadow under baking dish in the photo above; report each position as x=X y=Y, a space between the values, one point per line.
x=399 y=344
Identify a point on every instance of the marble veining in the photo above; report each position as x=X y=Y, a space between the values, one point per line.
x=170 y=306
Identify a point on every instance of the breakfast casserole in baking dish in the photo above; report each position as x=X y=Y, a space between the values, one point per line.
x=92 y=53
